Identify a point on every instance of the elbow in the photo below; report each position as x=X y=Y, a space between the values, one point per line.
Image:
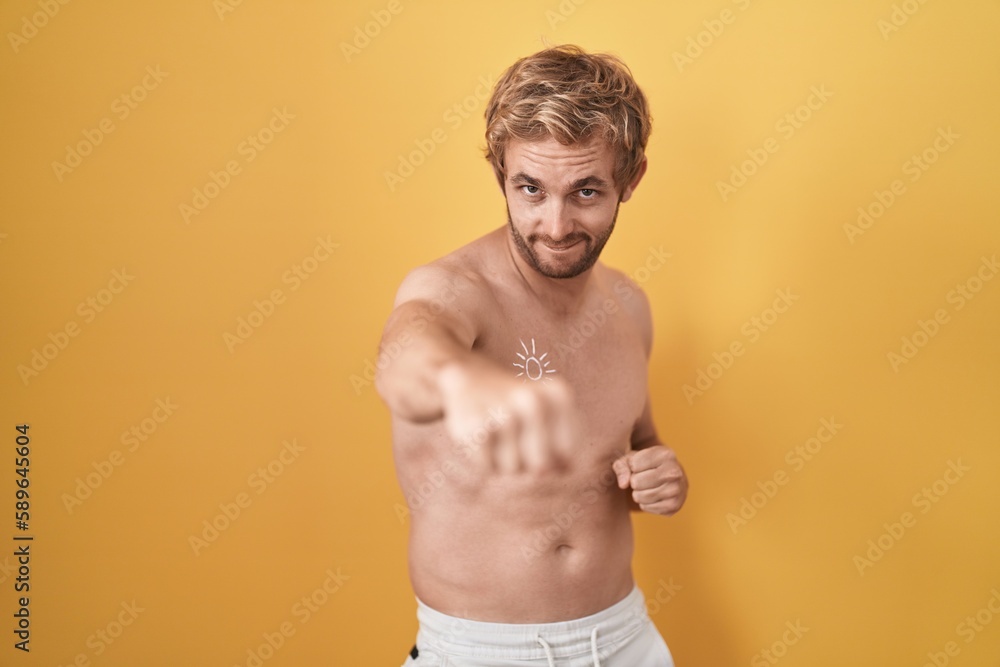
x=383 y=386
x=407 y=400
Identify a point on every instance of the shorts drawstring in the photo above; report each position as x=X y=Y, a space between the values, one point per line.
x=548 y=650
x=551 y=658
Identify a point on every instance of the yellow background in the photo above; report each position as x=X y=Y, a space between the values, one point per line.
x=334 y=506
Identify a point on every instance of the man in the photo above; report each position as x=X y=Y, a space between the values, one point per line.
x=521 y=443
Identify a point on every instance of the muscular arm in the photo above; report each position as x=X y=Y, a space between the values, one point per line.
x=651 y=471
x=431 y=325
x=644 y=432
x=434 y=374
x=644 y=436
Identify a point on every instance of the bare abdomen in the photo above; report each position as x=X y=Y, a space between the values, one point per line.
x=520 y=549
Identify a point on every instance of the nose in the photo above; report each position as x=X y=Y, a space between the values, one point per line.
x=557 y=222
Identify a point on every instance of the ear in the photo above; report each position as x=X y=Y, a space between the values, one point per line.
x=627 y=192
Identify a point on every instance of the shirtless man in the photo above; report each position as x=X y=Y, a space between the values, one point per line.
x=523 y=437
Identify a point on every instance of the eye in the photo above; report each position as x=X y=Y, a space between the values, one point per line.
x=588 y=193
x=531 y=190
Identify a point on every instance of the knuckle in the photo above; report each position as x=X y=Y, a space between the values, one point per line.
x=524 y=399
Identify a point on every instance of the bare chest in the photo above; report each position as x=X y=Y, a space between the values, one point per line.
x=598 y=353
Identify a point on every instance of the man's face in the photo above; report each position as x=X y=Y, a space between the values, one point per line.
x=561 y=203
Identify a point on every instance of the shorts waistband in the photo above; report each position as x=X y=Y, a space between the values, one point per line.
x=477 y=639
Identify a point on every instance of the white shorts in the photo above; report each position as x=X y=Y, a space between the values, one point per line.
x=620 y=636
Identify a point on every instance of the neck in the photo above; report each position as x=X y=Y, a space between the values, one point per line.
x=561 y=296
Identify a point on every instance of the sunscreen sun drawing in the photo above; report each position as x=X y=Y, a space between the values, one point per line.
x=533 y=367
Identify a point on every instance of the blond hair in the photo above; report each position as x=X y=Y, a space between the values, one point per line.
x=570 y=95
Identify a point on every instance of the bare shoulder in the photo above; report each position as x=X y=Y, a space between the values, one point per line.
x=450 y=290
x=632 y=299
x=453 y=277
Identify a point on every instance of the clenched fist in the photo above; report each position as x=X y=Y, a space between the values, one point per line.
x=657 y=480
x=505 y=425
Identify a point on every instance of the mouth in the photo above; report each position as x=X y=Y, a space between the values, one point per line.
x=561 y=248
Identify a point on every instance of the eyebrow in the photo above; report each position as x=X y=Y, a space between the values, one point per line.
x=522 y=178
x=587 y=181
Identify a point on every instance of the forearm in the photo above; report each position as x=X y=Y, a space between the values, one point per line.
x=412 y=353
